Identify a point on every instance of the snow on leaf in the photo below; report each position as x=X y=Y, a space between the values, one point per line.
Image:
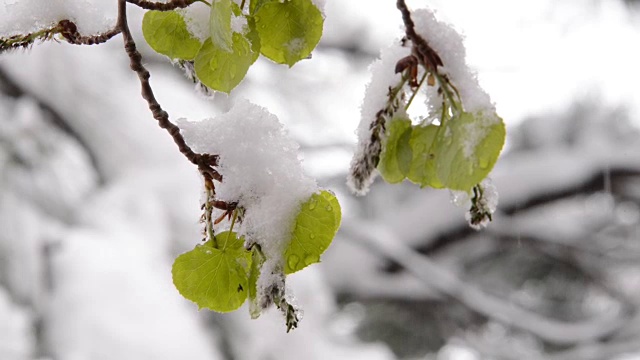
x=315 y=227
x=166 y=32
x=396 y=155
x=467 y=148
x=288 y=30
x=214 y=276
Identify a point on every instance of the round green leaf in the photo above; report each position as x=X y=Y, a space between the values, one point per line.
x=166 y=32
x=222 y=70
x=396 y=155
x=214 y=277
x=289 y=30
x=423 y=162
x=467 y=148
x=316 y=225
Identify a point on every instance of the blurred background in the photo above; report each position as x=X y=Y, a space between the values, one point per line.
x=95 y=201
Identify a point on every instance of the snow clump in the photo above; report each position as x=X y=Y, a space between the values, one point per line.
x=27 y=16
x=261 y=171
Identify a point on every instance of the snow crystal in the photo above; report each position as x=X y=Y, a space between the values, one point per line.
x=489 y=195
x=197 y=18
x=238 y=24
x=447 y=42
x=460 y=198
x=261 y=170
x=25 y=16
x=485 y=205
x=295 y=45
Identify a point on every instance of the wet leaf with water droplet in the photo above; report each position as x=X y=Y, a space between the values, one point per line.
x=288 y=30
x=215 y=278
x=467 y=149
x=222 y=70
x=166 y=32
x=313 y=232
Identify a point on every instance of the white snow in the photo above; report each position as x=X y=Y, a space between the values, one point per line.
x=383 y=76
x=197 y=18
x=239 y=24
x=447 y=42
x=261 y=171
x=25 y=16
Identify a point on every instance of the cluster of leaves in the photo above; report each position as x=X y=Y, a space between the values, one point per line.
x=457 y=153
x=453 y=149
x=283 y=31
x=223 y=272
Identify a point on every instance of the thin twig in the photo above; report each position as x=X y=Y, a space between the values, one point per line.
x=205 y=162
x=171 y=5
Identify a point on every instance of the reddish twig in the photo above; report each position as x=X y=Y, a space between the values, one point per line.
x=171 y=5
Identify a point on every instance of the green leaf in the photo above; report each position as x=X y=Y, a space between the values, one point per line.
x=221 y=70
x=214 y=277
x=316 y=225
x=166 y=32
x=468 y=146
x=288 y=30
x=257 y=259
x=254 y=5
x=395 y=158
x=423 y=163
x=220 y=24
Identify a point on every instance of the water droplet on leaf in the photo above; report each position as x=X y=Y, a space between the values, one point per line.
x=311 y=260
x=293 y=261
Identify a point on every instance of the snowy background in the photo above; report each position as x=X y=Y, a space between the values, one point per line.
x=95 y=201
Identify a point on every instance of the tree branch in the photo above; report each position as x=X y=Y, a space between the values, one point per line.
x=171 y=5
x=425 y=53
x=205 y=162
x=69 y=31
x=442 y=280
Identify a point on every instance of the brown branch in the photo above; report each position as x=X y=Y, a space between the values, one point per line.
x=69 y=31
x=425 y=53
x=171 y=5
x=205 y=162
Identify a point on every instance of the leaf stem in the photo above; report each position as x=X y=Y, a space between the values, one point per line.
x=424 y=77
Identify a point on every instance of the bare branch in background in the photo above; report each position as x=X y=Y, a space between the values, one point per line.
x=438 y=278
